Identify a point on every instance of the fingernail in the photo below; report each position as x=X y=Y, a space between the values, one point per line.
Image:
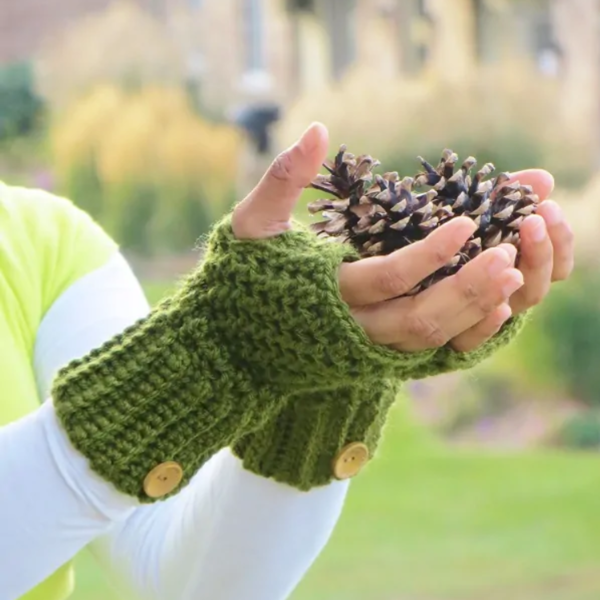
x=499 y=261
x=511 y=251
x=513 y=284
x=538 y=231
x=312 y=136
x=552 y=213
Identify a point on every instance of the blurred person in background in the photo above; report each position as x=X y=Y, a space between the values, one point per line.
x=204 y=449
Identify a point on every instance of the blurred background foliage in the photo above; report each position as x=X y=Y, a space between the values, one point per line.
x=21 y=107
x=152 y=115
x=145 y=164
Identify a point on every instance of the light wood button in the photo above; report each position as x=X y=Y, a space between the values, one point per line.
x=163 y=479
x=350 y=460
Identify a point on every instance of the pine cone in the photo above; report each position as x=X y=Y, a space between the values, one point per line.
x=378 y=214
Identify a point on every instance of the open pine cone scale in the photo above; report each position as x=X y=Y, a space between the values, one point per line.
x=379 y=214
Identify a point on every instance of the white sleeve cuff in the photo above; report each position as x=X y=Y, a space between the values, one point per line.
x=52 y=505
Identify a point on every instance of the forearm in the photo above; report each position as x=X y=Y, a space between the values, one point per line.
x=52 y=505
x=202 y=537
x=244 y=528
x=230 y=534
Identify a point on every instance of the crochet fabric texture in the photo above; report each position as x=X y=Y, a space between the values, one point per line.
x=257 y=351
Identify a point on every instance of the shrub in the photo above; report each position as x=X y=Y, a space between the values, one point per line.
x=145 y=165
x=558 y=353
x=490 y=114
x=20 y=107
x=581 y=431
x=571 y=323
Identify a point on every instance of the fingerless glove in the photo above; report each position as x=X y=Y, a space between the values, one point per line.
x=320 y=435
x=256 y=322
x=310 y=441
x=256 y=350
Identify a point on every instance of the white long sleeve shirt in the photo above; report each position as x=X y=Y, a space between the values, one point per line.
x=230 y=534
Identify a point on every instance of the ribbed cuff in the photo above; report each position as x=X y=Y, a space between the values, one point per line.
x=308 y=443
x=162 y=395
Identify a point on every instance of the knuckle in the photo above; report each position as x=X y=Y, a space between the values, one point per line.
x=426 y=330
x=281 y=167
x=392 y=282
x=466 y=288
x=487 y=307
x=469 y=292
x=439 y=256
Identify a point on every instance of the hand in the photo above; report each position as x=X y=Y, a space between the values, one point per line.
x=547 y=252
x=475 y=300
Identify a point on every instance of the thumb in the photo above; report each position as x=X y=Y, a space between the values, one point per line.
x=267 y=210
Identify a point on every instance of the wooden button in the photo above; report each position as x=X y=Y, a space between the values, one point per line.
x=163 y=479
x=350 y=460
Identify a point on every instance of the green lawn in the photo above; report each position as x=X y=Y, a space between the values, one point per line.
x=428 y=523
x=425 y=522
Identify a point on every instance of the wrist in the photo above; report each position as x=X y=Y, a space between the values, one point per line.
x=150 y=406
x=447 y=359
x=321 y=436
x=75 y=469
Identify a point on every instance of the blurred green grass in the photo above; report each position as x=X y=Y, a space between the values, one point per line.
x=426 y=522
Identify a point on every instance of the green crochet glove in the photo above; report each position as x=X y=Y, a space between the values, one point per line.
x=307 y=443
x=447 y=359
x=256 y=321
x=303 y=443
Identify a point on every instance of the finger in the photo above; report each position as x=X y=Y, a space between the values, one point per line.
x=536 y=264
x=497 y=292
x=463 y=300
x=267 y=210
x=482 y=331
x=380 y=278
x=540 y=180
x=561 y=237
x=429 y=320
